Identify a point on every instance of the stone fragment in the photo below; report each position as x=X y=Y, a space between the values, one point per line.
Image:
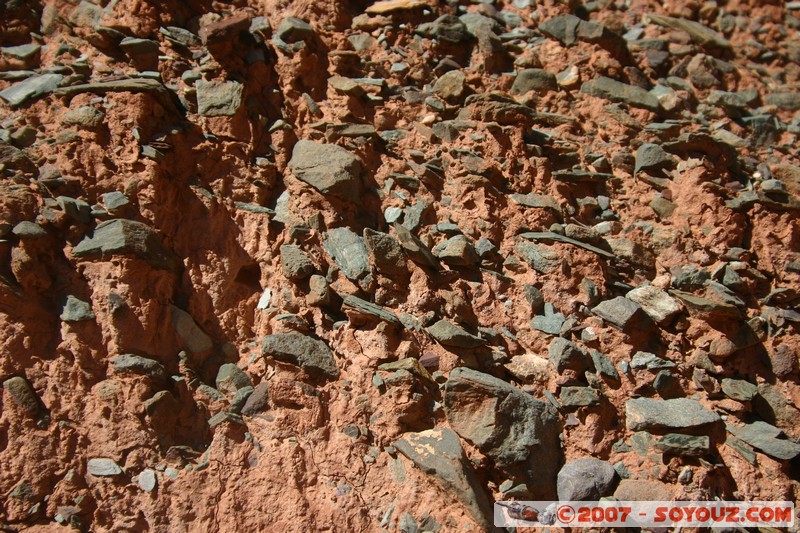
x=768 y=439
x=30 y=89
x=385 y=252
x=258 y=401
x=76 y=310
x=566 y=355
x=27 y=230
x=312 y=355
x=534 y=79
x=86 y=116
x=739 y=389
x=622 y=313
x=23 y=395
x=700 y=34
x=124 y=237
x=218 y=98
x=541 y=259
x=603 y=87
x=357 y=306
x=573 y=397
x=319 y=293
x=348 y=251
x=328 y=168
x=231 y=378
x=103 y=467
x=604 y=365
x=789 y=101
x=549 y=322
x=678 y=413
x=686 y=445
x=384 y=7
x=451 y=85
x=293 y=29
x=438 y=452
x=147 y=480
x=446 y=28
x=448 y=334
x=295 y=263
x=518 y=432
x=651 y=156
x=191 y=335
x=457 y=251
x=77 y=210
x=650 y=361
x=586 y=480
x=135 y=364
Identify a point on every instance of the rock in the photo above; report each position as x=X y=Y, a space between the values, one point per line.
x=538 y=201
x=518 y=432
x=622 y=313
x=357 y=306
x=642 y=490
x=103 y=467
x=586 y=480
x=651 y=156
x=346 y=86
x=649 y=361
x=76 y=310
x=31 y=88
x=293 y=29
x=446 y=28
x=78 y=210
x=329 y=168
x=218 y=98
x=615 y=91
x=604 y=365
x=384 y=7
x=686 y=445
x=775 y=407
x=147 y=480
x=739 y=389
x=415 y=249
x=451 y=85
x=191 y=335
x=27 y=230
x=224 y=417
x=438 y=452
x=566 y=355
x=658 y=305
x=534 y=297
x=448 y=334
x=789 y=101
x=633 y=253
x=707 y=308
x=348 y=251
x=766 y=438
x=85 y=116
x=240 y=398
x=23 y=395
x=312 y=355
x=563 y=28
x=534 y=79
x=678 y=413
x=539 y=258
x=258 y=401
x=137 y=47
x=124 y=237
x=385 y=252
x=231 y=378
x=295 y=263
x=700 y=34
x=319 y=293
x=571 y=397
x=114 y=201
x=457 y=251
x=127 y=363
x=550 y=322
x=530 y=368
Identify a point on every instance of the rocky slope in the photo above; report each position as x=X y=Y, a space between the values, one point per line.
x=354 y=266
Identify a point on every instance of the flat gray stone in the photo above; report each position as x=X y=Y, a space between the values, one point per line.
x=77 y=210
x=85 y=116
x=295 y=263
x=448 y=334
x=650 y=156
x=539 y=258
x=457 y=251
x=550 y=322
x=622 y=313
x=103 y=467
x=571 y=397
x=650 y=361
x=328 y=168
x=192 y=336
x=586 y=480
x=678 y=413
x=124 y=237
x=224 y=417
x=134 y=46
x=136 y=364
x=789 y=101
x=385 y=252
x=28 y=230
x=739 y=389
x=293 y=29
x=257 y=401
x=147 y=480
x=518 y=432
x=656 y=302
x=231 y=378
x=615 y=91
x=31 y=88
x=604 y=365
x=76 y=310
x=114 y=200
x=565 y=354
x=534 y=79
x=438 y=452
x=700 y=34
x=767 y=438
x=218 y=98
x=687 y=445
x=537 y=201
x=312 y=355
x=363 y=307
x=348 y=251
x=446 y=28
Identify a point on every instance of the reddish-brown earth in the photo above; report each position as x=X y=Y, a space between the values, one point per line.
x=217 y=200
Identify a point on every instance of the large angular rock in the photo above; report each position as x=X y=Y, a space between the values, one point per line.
x=124 y=237
x=328 y=168
x=622 y=313
x=218 y=98
x=348 y=252
x=448 y=334
x=76 y=310
x=687 y=445
x=438 y=452
x=766 y=437
x=541 y=259
x=678 y=413
x=295 y=263
x=616 y=91
x=312 y=355
x=565 y=355
x=658 y=305
x=231 y=378
x=700 y=34
x=385 y=252
x=23 y=395
x=191 y=335
x=586 y=480
x=31 y=88
x=534 y=79
x=518 y=432
x=127 y=363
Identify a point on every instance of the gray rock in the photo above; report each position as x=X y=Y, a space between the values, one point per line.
x=438 y=452
x=31 y=88
x=328 y=168
x=649 y=361
x=446 y=28
x=563 y=28
x=767 y=438
x=231 y=378
x=539 y=258
x=604 y=365
x=358 y=306
x=348 y=251
x=700 y=34
x=789 y=101
x=622 y=313
x=678 y=413
x=739 y=389
x=134 y=46
x=77 y=210
x=415 y=249
x=687 y=445
x=85 y=116
x=76 y=310
x=191 y=335
x=114 y=201
x=240 y=398
x=451 y=85
x=586 y=480
x=534 y=79
x=651 y=156
x=23 y=395
x=385 y=252
x=565 y=355
x=550 y=322
x=615 y=91
x=124 y=237
x=147 y=480
x=534 y=297
x=457 y=251
x=726 y=99
x=258 y=401
x=312 y=355
x=218 y=98
x=537 y=201
x=518 y=432
x=293 y=29
x=135 y=364
x=657 y=303
x=224 y=417
x=103 y=467
x=773 y=406
x=295 y=263
x=571 y=397
x=448 y=334
x=22 y=51
x=27 y=230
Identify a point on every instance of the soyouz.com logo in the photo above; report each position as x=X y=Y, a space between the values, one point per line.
x=644 y=514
